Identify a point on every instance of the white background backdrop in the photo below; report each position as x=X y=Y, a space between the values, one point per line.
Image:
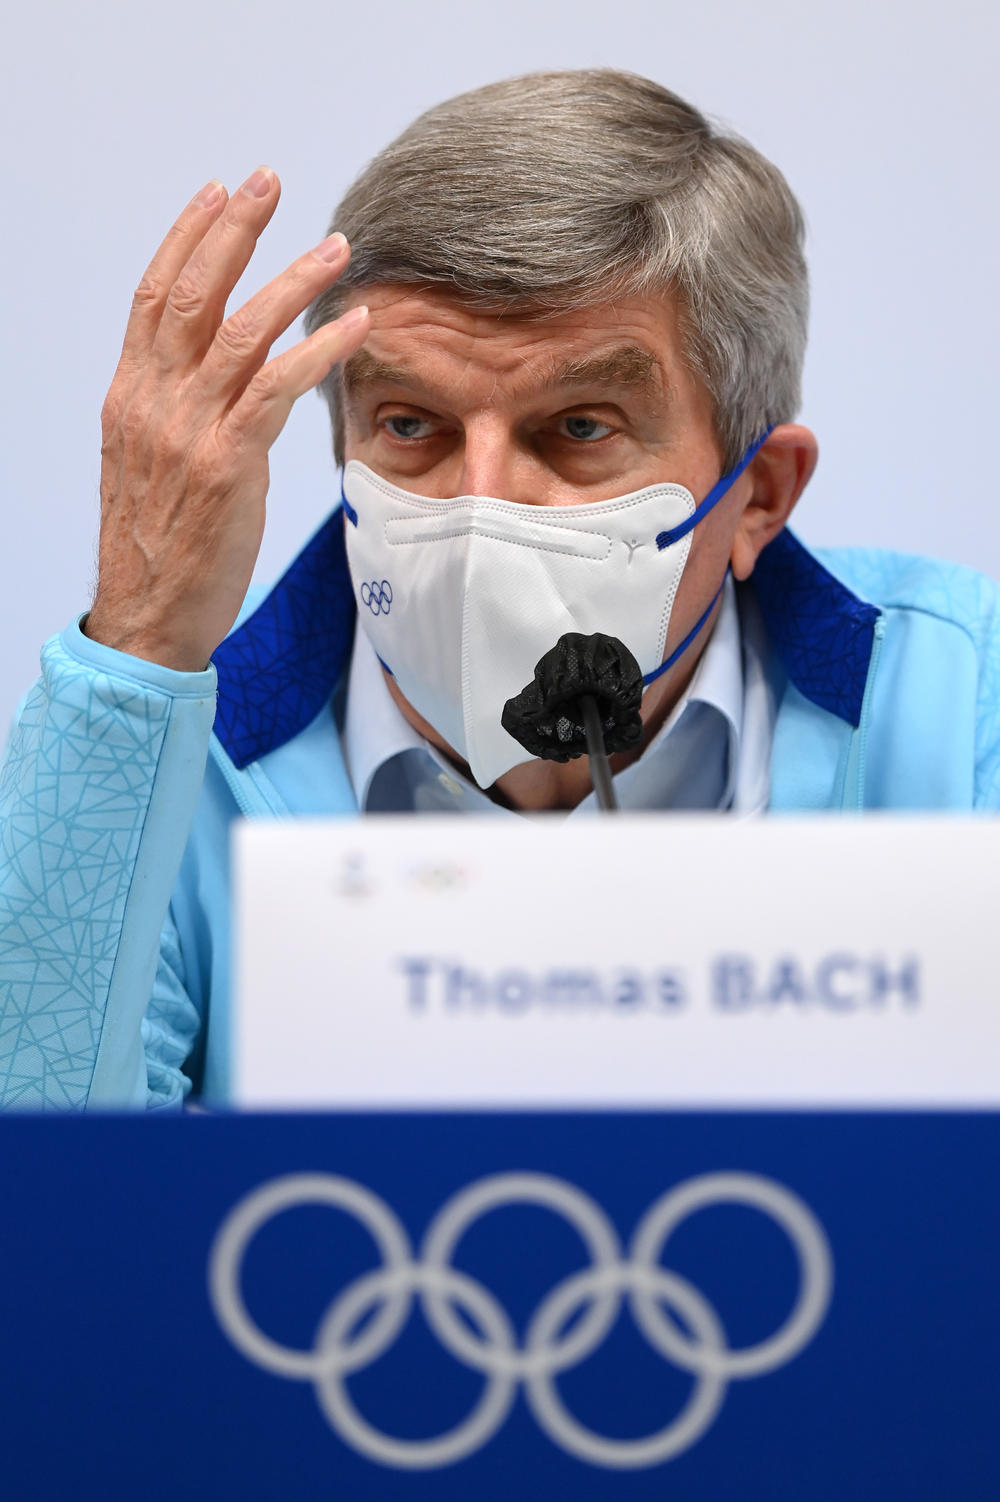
x=882 y=113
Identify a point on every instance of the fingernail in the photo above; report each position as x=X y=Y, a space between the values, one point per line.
x=356 y=315
x=332 y=248
x=210 y=194
x=258 y=184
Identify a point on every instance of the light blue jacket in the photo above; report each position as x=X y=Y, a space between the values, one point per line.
x=116 y=794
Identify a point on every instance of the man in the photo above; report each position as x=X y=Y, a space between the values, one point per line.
x=563 y=366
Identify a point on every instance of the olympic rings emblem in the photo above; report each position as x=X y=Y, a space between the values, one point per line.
x=378 y=597
x=553 y=1342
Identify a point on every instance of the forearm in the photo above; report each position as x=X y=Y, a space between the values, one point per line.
x=97 y=791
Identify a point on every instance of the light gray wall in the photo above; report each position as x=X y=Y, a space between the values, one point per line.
x=882 y=113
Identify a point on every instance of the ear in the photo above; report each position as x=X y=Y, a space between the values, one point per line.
x=778 y=474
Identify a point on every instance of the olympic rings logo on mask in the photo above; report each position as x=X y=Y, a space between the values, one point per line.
x=378 y=597
x=377 y=1305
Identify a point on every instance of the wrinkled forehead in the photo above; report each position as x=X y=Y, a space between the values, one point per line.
x=425 y=337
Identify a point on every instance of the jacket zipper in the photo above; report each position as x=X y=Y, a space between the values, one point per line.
x=246 y=784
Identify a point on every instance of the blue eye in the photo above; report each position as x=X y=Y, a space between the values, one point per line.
x=585 y=429
x=407 y=427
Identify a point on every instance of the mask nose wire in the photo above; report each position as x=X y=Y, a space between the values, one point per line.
x=663 y=539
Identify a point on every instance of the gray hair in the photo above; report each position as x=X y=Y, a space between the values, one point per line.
x=553 y=191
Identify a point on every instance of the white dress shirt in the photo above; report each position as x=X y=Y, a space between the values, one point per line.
x=712 y=752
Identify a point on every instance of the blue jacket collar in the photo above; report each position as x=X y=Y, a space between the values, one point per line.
x=822 y=633
x=280 y=667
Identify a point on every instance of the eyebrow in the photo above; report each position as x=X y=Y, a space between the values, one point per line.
x=627 y=365
x=362 y=369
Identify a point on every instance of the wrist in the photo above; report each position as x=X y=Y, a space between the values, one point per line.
x=148 y=646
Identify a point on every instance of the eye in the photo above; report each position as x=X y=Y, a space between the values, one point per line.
x=402 y=426
x=583 y=429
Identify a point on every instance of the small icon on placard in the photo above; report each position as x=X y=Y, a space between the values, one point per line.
x=353 y=880
x=437 y=876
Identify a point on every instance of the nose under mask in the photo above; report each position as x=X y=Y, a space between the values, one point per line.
x=461 y=598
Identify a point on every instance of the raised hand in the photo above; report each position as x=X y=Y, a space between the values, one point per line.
x=193 y=409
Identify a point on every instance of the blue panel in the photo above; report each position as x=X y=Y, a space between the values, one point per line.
x=822 y=632
x=278 y=669
x=119 y=1382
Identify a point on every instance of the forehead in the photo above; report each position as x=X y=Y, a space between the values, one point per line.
x=425 y=337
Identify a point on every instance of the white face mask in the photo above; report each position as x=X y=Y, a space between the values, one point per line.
x=461 y=598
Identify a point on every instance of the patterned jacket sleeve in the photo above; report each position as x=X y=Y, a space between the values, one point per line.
x=98 y=788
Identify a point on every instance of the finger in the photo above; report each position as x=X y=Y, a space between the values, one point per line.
x=184 y=235
x=196 y=303
x=243 y=342
x=262 y=411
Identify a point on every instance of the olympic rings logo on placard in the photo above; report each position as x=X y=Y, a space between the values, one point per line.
x=377 y=1305
x=378 y=597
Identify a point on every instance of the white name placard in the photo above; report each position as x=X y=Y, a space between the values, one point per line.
x=617 y=962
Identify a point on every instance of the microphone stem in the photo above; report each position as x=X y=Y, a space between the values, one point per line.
x=600 y=769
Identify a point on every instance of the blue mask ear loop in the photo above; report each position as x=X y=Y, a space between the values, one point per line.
x=349 y=511
x=352 y=517
x=679 y=651
x=674 y=534
x=718 y=490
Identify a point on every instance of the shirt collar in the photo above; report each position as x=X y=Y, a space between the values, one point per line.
x=374 y=729
x=718 y=678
